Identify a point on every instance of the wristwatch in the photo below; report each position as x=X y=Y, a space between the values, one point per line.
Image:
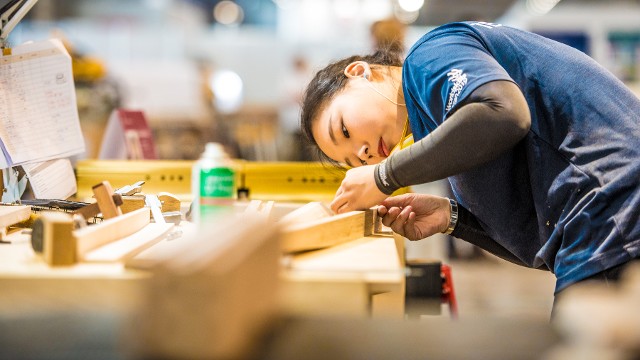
x=453 y=219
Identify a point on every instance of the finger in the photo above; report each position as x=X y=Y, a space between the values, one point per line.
x=345 y=207
x=409 y=227
x=401 y=219
x=399 y=200
x=381 y=210
x=391 y=215
x=337 y=202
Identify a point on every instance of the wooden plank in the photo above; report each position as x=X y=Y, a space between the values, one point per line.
x=362 y=277
x=324 y=232
x=94 y=236
x=325 y=296
x=129 y=246
x=260 y=208
x=10 y=215
x=216 y=296
x=308 y=212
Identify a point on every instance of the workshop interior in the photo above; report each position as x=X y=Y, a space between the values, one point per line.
x=160 y=201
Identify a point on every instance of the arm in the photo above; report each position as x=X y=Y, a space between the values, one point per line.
x=493 y=119
x=417 y=216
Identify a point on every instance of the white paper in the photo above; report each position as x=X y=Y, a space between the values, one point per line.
x=51 y=179
x=38 y=110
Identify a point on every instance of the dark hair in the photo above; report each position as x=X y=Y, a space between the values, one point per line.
x=330 y=81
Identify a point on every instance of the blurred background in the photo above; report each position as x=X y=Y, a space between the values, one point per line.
x=233 y=71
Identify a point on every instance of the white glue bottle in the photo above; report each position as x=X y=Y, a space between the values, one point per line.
x=212 y=184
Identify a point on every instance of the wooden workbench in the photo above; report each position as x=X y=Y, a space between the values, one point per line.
x=363 y=277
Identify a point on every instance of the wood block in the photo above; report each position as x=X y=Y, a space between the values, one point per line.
x=308 y=212
x=94 y=236
x=260 y=208
x=58 y=241
x=169 y=202
x=129 y=246
x=216 y=296
x=103 y=193
x=324 y=232
x=131 y=203
x=309 y=296
x=10 y=215
x=92 y=210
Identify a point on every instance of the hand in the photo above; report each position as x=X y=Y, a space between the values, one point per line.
x=358 y=191
x=415 y=216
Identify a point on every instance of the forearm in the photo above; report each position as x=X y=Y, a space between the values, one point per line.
x=476 y=133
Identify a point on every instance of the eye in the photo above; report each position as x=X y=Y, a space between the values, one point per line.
x=345 y=132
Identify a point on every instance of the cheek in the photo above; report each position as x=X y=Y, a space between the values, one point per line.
x=325 y=145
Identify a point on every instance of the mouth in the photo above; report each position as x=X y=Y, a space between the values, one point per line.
x=382 y=148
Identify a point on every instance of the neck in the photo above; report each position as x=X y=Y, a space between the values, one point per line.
x=395 y=75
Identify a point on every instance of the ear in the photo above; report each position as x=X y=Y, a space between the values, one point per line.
x=358 y=69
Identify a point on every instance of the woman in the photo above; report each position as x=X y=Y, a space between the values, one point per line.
x=540 y=145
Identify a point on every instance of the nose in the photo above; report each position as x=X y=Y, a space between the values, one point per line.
x=363 y=154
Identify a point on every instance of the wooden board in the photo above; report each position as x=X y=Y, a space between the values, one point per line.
x=10 y=215
x=215 y=297
x=325 y=232
x=309 y=212
x=129 y=246
x=94 y=236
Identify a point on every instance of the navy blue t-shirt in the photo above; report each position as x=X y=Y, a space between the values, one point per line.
x=566 y=197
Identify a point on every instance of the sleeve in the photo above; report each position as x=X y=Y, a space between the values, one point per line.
x=442 y=71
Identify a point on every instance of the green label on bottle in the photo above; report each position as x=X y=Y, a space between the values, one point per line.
x=217 y=190
x=217 y=183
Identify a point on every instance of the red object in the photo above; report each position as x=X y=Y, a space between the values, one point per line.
x=137 y=134
x=448 y=293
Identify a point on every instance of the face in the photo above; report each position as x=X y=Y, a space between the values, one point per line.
x=358 y=127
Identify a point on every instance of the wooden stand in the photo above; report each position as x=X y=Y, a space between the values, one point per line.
x=59 y=244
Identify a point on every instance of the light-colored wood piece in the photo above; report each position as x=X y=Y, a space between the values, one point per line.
x=260 y=208
x=324 y=296
x=362 y=268
x=59 y=245
x=389 y=304
x=10 y=215
x=103 y=193
x=309 y=212
x=323 y=232
x=165 y=249
x=30 y=286
x=216 y=296
x=94 y=236
x=129 y=246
